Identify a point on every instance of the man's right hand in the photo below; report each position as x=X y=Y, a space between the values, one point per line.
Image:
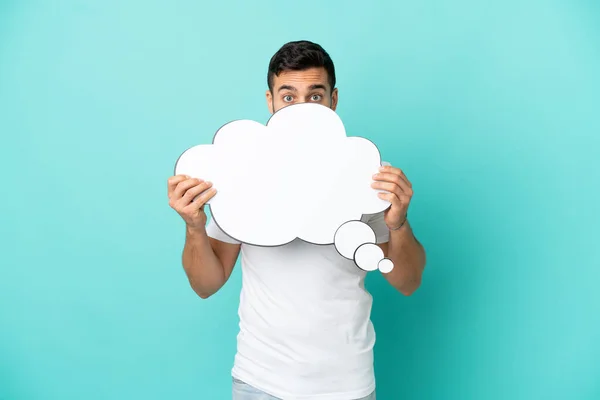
x=188 y=196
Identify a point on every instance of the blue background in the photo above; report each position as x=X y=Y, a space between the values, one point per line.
x=491 y=109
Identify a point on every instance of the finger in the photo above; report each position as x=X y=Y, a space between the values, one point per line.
x=397 y=203
x=399 y=187
x=201 y=200
x=398 y=178
x=391 y=197
x=173 y=181
x=184 y=186
x=390 y=169
x=395 y=171
x=395 y=176
x=191 y=193
x=390 y=187
x=405 y=179
x=402 y=174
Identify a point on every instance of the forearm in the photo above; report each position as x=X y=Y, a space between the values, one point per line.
x=203 y=268
x=408 y=256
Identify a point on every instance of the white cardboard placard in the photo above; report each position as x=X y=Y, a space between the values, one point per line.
x=300 y=176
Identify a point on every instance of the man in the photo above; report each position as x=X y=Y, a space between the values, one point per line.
x=305 y=329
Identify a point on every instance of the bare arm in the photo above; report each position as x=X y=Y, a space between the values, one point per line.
x=408 y=257
x=207 y=262
x=407 y=254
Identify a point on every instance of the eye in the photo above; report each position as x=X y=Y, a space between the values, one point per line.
x=288 y=98
x=316 y=97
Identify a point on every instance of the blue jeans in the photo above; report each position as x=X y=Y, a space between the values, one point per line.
x=243 y=391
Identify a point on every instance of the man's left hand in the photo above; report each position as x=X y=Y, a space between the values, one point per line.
x=394 y=181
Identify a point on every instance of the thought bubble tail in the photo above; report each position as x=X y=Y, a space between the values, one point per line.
x=350 y=235
x=386 y=265
x=355 y=240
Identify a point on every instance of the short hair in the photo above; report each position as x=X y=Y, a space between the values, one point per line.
x=299 y=56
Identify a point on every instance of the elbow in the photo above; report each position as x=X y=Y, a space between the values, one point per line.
x=410 y=288
x=199 y=288
x=408 y=292
x=414 y=283
x=203 y=294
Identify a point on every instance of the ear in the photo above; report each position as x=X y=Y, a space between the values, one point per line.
x=334 y=99
x=269 y=97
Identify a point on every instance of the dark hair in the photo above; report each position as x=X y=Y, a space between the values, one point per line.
x=298 y=56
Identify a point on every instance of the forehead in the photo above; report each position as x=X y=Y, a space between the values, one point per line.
x=301 y=80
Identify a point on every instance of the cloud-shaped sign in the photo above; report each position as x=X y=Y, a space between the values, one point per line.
x=299 y=176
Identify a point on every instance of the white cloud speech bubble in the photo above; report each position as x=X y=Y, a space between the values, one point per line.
x=299 y=176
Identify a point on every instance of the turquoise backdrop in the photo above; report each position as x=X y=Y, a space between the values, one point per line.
x=491 y=108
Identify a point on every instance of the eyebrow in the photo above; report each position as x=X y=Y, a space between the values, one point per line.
x=311 y=87
x=318 y=86
x=287 y=87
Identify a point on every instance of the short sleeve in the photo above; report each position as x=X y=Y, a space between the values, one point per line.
x=377 y=223
x=213 y=231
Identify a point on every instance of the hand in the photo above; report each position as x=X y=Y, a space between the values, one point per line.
x=188 y=196
x=394 y=181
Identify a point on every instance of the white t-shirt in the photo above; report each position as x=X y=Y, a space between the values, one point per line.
x=305 y=327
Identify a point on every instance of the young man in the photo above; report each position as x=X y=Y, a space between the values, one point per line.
x=305 y=329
